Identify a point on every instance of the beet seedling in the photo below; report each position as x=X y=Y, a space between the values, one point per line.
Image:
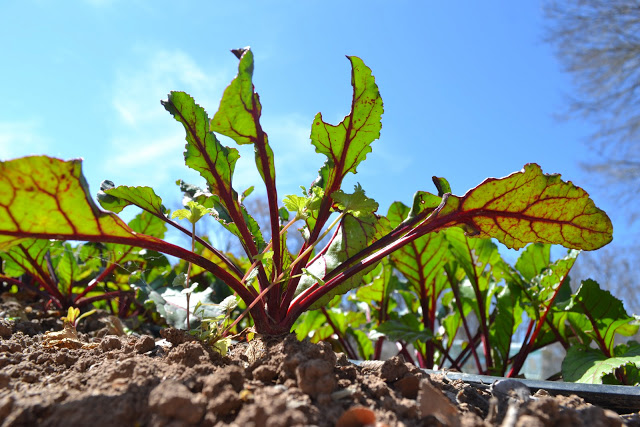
x=527 y=206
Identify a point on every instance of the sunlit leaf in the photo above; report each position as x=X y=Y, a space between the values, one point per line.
x=239 y=117
x=529 y=206
x=117 y=198
x=47 y=198
x=203 y=152
x=347 y=144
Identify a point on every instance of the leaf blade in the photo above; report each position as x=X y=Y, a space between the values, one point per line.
x=348 y=143
x=529 y=206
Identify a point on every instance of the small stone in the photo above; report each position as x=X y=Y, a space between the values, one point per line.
x=110 y=342
x=6 y=329
x=265 y=373
x=144 y=344
x=172 y=399
x=316 y=377
x=392 y=369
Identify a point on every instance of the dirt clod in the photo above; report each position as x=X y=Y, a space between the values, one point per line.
x=173 y=400
x=269 y=382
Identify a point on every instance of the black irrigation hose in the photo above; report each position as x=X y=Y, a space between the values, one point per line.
x=620 y=398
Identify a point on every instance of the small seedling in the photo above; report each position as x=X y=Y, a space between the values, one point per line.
x=74 y=317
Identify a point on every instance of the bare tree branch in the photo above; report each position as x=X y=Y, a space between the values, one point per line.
x=598 y=44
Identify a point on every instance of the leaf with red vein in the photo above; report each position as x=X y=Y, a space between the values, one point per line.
x=116 y=199
x=239 y=116
x=203 y=152
x=347 y=144
x=48 y=198
x=421 y=260
x=529 y=206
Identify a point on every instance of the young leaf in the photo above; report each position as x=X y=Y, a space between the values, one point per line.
x=588 y=365
x=600 y=315
x=442 y=185
x=347 y=144
x=535 y=258
x=204 y=153
x=193 y=213
x=357 y=203
x=529 y=206
x=117 y=198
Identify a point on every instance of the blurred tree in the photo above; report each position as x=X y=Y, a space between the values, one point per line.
x=615 y=269
x=598 y=43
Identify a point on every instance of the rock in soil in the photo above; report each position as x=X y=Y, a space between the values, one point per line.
x=131 y=381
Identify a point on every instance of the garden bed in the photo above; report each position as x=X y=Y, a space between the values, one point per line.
x=103 y=379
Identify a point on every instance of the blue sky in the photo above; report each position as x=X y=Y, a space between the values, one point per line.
x=469 y=88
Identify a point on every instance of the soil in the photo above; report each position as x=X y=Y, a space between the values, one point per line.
x=104 y=379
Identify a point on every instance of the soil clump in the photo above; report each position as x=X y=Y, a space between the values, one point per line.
x=102 y=379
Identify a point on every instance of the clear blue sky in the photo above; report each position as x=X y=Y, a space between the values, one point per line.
x=469 y=88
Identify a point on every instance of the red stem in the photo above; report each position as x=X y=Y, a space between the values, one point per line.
x=527 y=346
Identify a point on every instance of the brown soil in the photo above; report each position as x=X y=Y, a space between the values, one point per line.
x=108 y=380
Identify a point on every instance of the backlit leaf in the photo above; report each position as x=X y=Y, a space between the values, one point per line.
x=203 y=152
x=47 y=198
x=529 y=206
x=347 y=144
x=117 y=198
x=239 y=117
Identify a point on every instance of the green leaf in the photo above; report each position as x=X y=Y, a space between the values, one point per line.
x=600 y=315
x=204 y=153
x=529 y=206
x=407 y=328
x=535 y=258
x=239 y=117
x=47 y=198
x=353 y=235
x=297 y=204
x=347 y=144
x=588 y=365
x=357 y=203
x=194 y=212
x=117 y=198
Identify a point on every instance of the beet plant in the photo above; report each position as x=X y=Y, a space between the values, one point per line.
x=47 y=198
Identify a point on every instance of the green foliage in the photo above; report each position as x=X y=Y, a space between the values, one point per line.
x=449 y=274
